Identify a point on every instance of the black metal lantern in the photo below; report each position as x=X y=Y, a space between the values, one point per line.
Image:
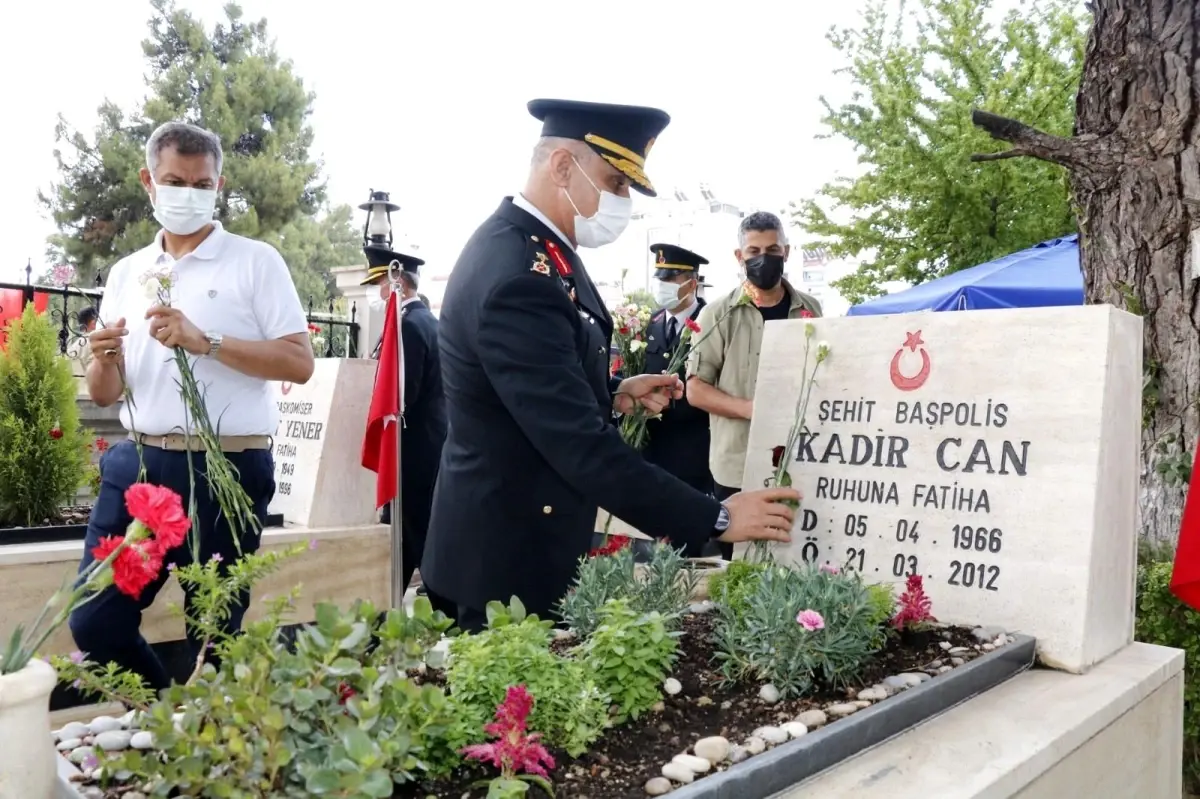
x=377 y=232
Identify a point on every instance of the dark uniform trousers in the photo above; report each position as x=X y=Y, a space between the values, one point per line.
x=107 y=627
x=678 y=442
x=531 y=450
x=422 y=437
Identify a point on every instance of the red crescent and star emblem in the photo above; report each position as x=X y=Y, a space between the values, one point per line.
x=903 y=381
x=285 y=387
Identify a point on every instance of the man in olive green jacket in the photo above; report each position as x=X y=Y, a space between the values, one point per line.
x=723 y=366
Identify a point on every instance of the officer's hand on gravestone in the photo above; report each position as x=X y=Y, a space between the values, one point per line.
x=652 y=392
x=760 y=515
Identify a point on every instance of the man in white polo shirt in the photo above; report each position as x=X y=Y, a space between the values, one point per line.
x=234 y=309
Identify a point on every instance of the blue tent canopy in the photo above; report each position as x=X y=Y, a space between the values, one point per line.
x=1048 y=274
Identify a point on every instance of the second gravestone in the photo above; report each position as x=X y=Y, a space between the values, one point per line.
x=993 y=452
x=319 y=478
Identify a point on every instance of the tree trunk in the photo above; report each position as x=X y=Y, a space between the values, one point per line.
x=1135 y=173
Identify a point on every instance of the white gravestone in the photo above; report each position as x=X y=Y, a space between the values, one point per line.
x=319 y=478
x=994 y=452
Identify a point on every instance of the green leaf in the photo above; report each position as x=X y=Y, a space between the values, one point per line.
x=357 y=635
x=322 y=781
x=344 y=667
x=359 y=746
x=378 y=784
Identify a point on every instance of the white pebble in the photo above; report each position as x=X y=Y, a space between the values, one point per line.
x=697 y=765
x=842 y=709
x=1000 y=640
x=812 y=718
x=737 y=754
x=958 y=650
x=769 y=694
x=672 y=686
x=142 y=740
x=714 y=749
x=69 y=744
x=77 y=756
x=657 y=786
x=772 y=735
x=678 y=773
x=873 y=694
x=113 y=740
x=957 y=661
x=73 y=730
x=104 y=724
x=945 y=669
x=987 y=647
x=659 y=706
x=755 y=746
x=945 y=644
x=794 y=729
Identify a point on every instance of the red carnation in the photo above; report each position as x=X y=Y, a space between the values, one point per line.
x=806 y=314
x=613 y=545
x=777 y=455
x=161 y=510
x=345 y=693
x=313 y=328
x=624 y=331
x=134 y=568
x=692 y=325
x=616 y=365
x=55 y=433
x=101 y=445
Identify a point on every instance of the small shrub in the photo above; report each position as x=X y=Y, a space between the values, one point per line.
x=1164 y=620
x=569 y=710
x=43 y=450
x=662 y=584
x=799 y=627
x=630 y=654
x=732 y=585
x=334 y=714
x=883 y=602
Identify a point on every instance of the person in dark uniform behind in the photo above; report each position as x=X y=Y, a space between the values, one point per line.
x=678 y=441
x=531 y=451
x=424 y=430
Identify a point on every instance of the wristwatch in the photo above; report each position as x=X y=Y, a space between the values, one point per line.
x=722 y=522
x=214 y=344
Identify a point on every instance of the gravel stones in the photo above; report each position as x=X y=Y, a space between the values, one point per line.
x=769 y=694
x=697 y=765
x=81 y=754
x=812 y=718
x=678 y=773
x=672 y=686
x=794 y=729
x=986 y=634
x=714 y=749
x=876 y=694
x=74 y=730
x=658 y=786
x=114 y=740
x=842 y=709
x=755 y=745
x=772 y=735
x=737 y=754
x=104 y=724
x=142 y=740
x=70 y=743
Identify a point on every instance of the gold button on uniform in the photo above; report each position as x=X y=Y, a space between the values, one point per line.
x=547 y=510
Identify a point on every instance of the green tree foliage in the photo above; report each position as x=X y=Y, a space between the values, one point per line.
x=232 y=82
x=920 y=208
x=43 y=450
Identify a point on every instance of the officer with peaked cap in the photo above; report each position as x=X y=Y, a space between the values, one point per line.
x=532 y=451
x=424 y=430
x=678 y=441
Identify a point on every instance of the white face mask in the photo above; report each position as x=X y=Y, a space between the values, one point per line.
x=667 y=295
x=608 y=223
x=183 y=210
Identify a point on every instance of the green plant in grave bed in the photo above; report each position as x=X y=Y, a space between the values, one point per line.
x=43 y=449
x=630 y=654
x=663 y=584
x=569 y=709
x=1164 y=620
x=767 y=641
x=333 y=715
x=731 y=586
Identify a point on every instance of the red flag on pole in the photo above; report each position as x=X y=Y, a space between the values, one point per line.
x=379 y=445
x=1185 y=574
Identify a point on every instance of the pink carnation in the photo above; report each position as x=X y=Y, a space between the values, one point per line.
x=810 y=620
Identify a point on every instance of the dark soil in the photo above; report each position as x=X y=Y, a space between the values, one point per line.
x=618 y=765
x=73 y=514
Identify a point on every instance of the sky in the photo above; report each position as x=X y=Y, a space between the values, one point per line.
x=427 y=100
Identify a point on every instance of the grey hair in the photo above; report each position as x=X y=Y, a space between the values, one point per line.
x=548 y=144
x=186 y=139
x=761 y=221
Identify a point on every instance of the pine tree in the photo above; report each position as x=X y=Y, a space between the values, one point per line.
x=43 y=450
x=232 y=82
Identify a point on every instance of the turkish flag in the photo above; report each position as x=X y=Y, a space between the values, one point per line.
x=1185 y=575
x=379 y=452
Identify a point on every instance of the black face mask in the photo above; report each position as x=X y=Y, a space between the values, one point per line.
x=764 y=271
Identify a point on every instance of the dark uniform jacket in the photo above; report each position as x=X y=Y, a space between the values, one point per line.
x=531 y=451
x=424 y=430
x=677 y=442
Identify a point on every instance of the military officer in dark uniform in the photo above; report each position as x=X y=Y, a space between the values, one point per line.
x=524 y=336
x=678 y=440
x=424 y=430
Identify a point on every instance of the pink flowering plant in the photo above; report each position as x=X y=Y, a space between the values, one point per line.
x=915 y=609
x=518 y=754
x=798 y=628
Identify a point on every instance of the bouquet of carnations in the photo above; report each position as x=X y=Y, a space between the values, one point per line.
x=629 y=324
